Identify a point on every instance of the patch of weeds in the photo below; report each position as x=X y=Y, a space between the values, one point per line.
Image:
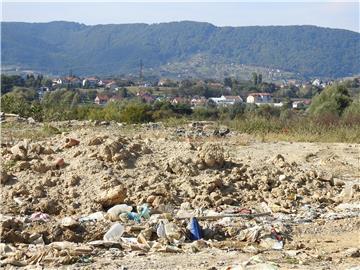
x=291 y=260
x=8 y=165
x=50 y=130
x=175 y=122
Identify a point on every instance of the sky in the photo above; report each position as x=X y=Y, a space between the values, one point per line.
x=341 y=14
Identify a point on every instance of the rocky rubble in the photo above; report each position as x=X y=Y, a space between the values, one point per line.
x=63 y=195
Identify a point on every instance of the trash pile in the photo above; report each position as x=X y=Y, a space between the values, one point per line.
x=201 y=129
x=46 y=240
x=79 y=196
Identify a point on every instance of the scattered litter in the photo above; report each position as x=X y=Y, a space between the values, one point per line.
x=195 y=230
x=270 y=243
x=115 y=232
x=97 y=216
x=204 y=199
x=39 y=216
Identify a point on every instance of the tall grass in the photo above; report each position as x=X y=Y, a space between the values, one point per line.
x=304 y=129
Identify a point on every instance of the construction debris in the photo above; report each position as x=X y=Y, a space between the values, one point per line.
x=73 y=203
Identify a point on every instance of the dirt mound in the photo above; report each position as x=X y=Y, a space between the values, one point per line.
x=76 y=174
x=65 y=189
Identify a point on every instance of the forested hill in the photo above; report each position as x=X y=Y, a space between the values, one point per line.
x=57 y=47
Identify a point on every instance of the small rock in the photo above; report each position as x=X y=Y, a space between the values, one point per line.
x=4 y=177
x=19 y=151
x=96 y=141
x=59 y=163
x=31 y=120
x=352 y=252
x=113 y=196
x=70 y=142
x=69 y=222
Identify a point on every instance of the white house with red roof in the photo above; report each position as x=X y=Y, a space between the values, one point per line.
x=226 y=100
x=259 y=98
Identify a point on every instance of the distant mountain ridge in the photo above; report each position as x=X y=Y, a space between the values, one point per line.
x=57 y=47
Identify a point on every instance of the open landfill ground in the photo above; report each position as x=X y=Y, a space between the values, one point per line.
x=100 y=195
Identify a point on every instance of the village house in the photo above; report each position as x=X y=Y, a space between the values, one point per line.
x=112 y=85
x=300 y=103
x=259 y=98
x=101 y=99
x=146 y=97
x=56 y=82
x=316 y=82
x=70 y=81
x=103 y=83
x=226 y=100
x=198 y=101
x=178 y=100
x=91 y=82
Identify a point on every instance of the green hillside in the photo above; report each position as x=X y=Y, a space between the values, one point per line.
x=57 y=47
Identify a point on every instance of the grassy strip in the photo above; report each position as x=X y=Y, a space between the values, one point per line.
x=11 y=132
x=300 y=130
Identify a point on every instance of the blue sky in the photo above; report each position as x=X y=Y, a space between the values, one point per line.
x=344 y=15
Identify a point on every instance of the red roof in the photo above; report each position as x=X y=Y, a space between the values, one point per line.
x=260 y=94
x=103 y=97
x=233 y=97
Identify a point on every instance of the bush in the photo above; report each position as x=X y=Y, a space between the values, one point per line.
x=236 y=110
x=332 y=100
x=12 y=104
x=267 y=111
x=206 y=113
x=351 y=115
x=135 y=112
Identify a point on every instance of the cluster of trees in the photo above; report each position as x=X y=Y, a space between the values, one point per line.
x=335 y=103
x=332 y=105
x=238 y=87
x=9 y=83
x=189 y=88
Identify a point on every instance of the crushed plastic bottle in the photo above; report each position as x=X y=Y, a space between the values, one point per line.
x=160 y=231
x=114 y=233
x=144 y=211
x=92 y=217
x=134 y=216
x=118 y=209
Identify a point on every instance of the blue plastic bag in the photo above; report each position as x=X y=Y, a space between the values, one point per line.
x=134 y=216
x=195 y=229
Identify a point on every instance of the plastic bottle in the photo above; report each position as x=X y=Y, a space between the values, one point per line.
x=93 y=217
x=160 y=231
x=115 y=233
x=134 y=216
x=116 y=210
x=144 y=211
